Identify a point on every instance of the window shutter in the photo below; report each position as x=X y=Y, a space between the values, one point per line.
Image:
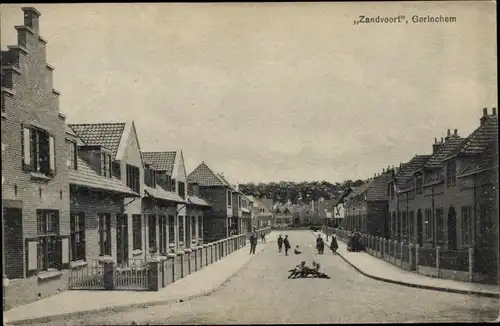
x=26 y=141
x=52 y=155
x=31 y=256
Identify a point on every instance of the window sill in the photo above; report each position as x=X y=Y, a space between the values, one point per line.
x=105 y=258
x=171 y=245
x=136 y=252
x=50 y=274
x=77 y=264
x=39 y=176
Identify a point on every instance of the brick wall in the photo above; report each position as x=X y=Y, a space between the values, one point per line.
x=217 y=197
x=32 y=101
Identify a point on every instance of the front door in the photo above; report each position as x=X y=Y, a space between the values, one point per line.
x=420 y=234
x=452 y=229
x=122 y=239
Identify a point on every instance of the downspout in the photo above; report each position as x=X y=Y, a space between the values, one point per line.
x=398 y=221
x=408 y=227
x=434 y=222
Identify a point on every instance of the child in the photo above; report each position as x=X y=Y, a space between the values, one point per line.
x=297 y=251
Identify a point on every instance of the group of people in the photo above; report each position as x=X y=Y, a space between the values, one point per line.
x=302 y=270
x=284 y=242
x=320 y=244
x=253 y=241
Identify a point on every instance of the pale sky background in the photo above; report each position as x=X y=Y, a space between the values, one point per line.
x=269 y=92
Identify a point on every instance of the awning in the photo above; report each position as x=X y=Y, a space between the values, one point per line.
x=162 y=194
x=198 y=201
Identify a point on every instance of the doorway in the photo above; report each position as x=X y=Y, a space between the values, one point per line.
x=452 y=229
x=420 y=232
x=122 y=239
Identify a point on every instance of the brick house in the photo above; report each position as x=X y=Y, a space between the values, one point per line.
x=216 y=190
x=96 y=203
x=197 y=208
x=415 y=191
x=402 y=219
x=367 y=207
x=120 y=143
x=262 y=215
x=186 y=209
x=35 y=189
x=246 y=205
x=470 y=181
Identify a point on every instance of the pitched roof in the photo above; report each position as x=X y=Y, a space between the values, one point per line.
x=436 y=177
x=161 y=161
x=377 y=188
x=488 y=160
x=87 y=177
x=205 y=177
x=70 y=131
x=160 y=193
x=436 y=160
x=405 y=174
x=198 y=201
x=108 y=135
x=479 y=139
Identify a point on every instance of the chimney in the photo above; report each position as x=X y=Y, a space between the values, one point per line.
x=449 y=133
x=455 y=132
x=436 y=147
x=442 y=140
x=383 y=170
x=494 y=111
x=31 y=16
x=484 y=118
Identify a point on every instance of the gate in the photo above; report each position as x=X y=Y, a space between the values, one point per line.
x=87 y=277
x=133 y=278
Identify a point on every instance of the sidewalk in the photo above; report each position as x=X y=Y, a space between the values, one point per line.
x=381 y=270
x=75 y=303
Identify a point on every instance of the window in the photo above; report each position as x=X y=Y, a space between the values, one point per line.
x=391 y=190
x=171 y=229
x=106 y=165
x=162 y=227
x=229 y=199
x=49 y=253
x=418 y=184
x=105 y=234
x=150 y=177
x=152 y=230
x=136 y=232
x=133 y=178
x=451 y=173
x=73 y=155
x=200 y=226
x=181 y=189
x=428 y=224
x=466 y=225
x=404 y=224
x=172 y=182
x=38 y=151
x=116 y=170
x=193 y=228
x=439 y=225
x=412 y=224
x=77 y=235
x=181 y=229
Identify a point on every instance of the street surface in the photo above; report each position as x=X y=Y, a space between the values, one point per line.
x=262 y=293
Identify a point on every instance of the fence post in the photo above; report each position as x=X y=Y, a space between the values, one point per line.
x=417 y=247
x=181 y=254
x=437 y=262
x=401 y=259
x=109 y=274
x=471 y=263
x=188 y=251
x=394 y=252
x=172 y=256
x=410 y=256
x=154 y=275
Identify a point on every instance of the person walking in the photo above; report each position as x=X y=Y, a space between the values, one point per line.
x=334 y=245
x=263 y=237
x=286 y=242
x=320 y=244
x=280 y=243
x=253 y=243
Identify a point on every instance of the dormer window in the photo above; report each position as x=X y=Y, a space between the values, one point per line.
x=133 y=177
x=73 y=155
x=418 y=184
x=451 y=173
x=173 y=185
x=150 y=177
x=106 y=164
x=182 y=190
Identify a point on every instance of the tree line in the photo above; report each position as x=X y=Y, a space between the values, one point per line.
x=297 y=192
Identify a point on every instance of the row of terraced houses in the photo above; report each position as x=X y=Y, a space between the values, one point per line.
x=81 y=192
x=447 y=199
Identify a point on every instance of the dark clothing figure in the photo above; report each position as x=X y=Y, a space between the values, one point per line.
x=263 y=237
x=297 y=251
x=253 y=243
x=320 y=245
x=286 y=242
x=280 y=243
x=334 y=245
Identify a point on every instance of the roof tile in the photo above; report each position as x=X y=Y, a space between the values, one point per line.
x=108 y=135
x=161 y=161
x=198 y=201
x=479 y=139
x=436 y=160
x=88 y=177
x=205 y=177
x=160 y=193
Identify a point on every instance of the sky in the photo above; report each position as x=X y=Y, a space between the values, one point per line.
x=269 y=92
